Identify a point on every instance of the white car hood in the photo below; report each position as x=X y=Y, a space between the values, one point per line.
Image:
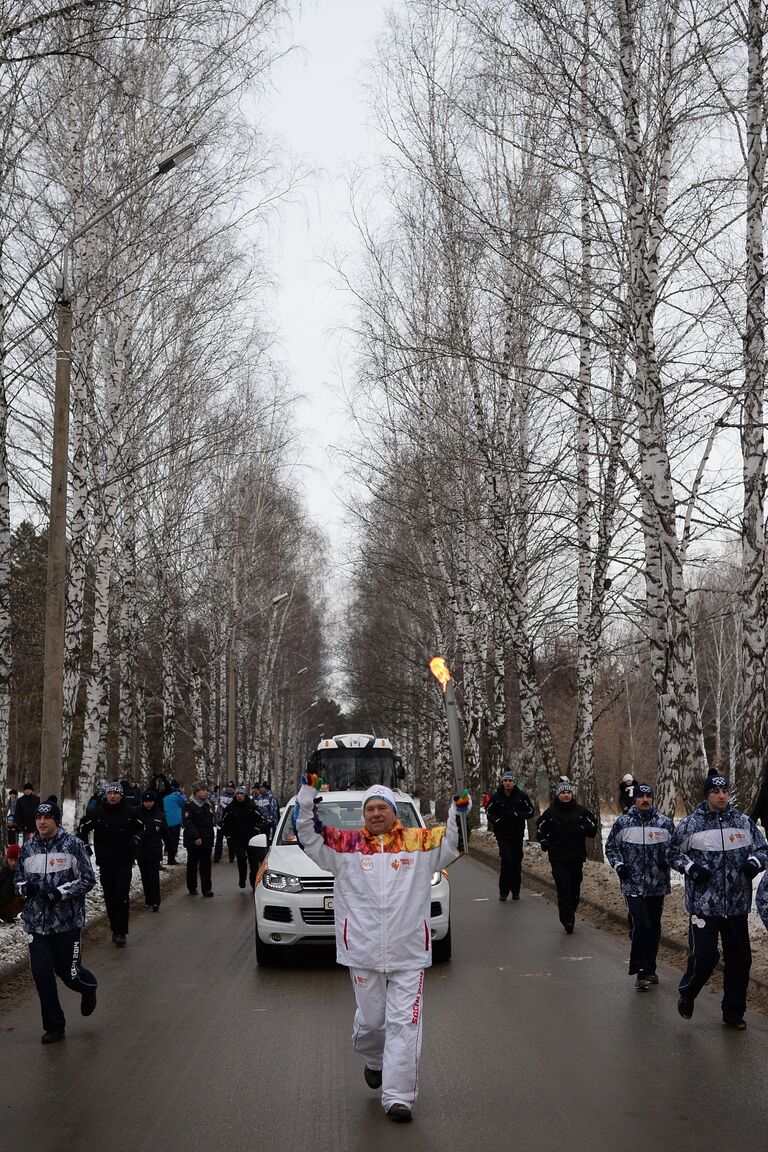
x=291 y=860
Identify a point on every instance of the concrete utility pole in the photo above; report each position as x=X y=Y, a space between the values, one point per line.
x=51 y=766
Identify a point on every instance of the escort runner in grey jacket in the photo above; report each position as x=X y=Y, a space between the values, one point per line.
x=721 y=843
x=639 y=841
x=60 y=863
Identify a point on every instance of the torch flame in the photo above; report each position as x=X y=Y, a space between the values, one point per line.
x=439 y=670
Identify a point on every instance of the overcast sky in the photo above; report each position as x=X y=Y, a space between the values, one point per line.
x=319 y=110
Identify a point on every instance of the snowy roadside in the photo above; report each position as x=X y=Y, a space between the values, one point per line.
x=13 y=938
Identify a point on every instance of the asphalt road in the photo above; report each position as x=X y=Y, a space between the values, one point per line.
x=531 y=1038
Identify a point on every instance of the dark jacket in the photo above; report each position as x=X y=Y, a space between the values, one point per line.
x=507 y=814
x=639 y=840
x=241 y=820
x=721 y=842
x=149 y=848
x=24 y=815
x=61 y=863
x=627 y=795
x=114 y=828
x=198 y=822
x=562 y=830
x=10 y=902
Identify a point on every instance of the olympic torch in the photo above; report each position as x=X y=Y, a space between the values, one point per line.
x=441 y=673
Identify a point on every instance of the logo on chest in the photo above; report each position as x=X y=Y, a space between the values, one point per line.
x=366 y=864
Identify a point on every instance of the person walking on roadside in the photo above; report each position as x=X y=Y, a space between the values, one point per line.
x=54 y=874
x=223 y=802
x=636 y=849
x=242 y=820
x=10 y=812
x=173 y=807
x=24 y=812
x=562 y=831
x=627 y=790
x=149 y=847
x=507 y=812
x=383 y=874
x=719 y=851
x=267 y=805
x=198 y=821
x=115 y=826
x=10 y=901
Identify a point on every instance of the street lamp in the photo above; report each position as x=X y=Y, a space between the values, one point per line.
x=55 y=590
x=232 y=684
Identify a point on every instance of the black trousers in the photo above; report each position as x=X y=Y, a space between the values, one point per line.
x=644 y=931
x=703 y=957
x=150 y=880
x=218 y=847
x=199 y=860
x=567 y=876
x=116 y=884
x=171 y=837
x=511 y=853
x=57 y=955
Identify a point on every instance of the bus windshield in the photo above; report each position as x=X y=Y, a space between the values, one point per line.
x=357 y=768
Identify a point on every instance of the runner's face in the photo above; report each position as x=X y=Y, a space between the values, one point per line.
x=718 y=799
x=379 y=817
x=643 y=803
x=46 y=826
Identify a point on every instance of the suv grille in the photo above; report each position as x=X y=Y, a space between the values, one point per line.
x=317 y=915
x=319 y=884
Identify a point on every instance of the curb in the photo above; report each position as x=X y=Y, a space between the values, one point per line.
x=532 y=879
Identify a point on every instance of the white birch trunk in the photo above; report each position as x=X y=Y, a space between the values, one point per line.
x=750 y=757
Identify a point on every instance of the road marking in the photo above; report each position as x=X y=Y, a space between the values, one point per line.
x=575 y=957
x=480 y=899
x=536 y=973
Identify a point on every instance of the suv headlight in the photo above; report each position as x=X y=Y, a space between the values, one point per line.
x=279 y=882
x=436 y=878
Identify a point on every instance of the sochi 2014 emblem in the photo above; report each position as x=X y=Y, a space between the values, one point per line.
x=366 y=863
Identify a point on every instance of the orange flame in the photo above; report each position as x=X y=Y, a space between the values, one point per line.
x=439 y=670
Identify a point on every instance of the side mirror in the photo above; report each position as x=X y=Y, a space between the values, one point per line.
x=258 y=841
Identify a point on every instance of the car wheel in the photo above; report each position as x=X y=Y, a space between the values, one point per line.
x=267 y=955
x=441 y=949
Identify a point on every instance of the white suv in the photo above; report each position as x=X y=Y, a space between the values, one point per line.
x=294 y=898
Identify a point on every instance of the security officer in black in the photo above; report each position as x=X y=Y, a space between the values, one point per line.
x=199 y=834
x=507 y=812
x=115 y=828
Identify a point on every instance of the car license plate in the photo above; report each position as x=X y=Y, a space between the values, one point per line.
x=328 y=903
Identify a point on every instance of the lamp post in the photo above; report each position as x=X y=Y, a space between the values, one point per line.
x=55 y=590
x=232 y=685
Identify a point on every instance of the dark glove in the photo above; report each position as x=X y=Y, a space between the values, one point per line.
x=699 y=874
x=622 y=871
x=544 y=845
x=751 y=867
x=32 y=886
x=136 y=840
x=53 y=895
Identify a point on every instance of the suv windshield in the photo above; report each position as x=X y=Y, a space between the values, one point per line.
x=346 y=814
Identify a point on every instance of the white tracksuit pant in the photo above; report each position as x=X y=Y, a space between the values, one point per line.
x=387 y=1029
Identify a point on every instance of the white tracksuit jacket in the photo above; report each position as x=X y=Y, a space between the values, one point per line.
x=382 y=890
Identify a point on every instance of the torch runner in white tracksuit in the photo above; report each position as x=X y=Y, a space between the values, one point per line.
x=382 y=888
